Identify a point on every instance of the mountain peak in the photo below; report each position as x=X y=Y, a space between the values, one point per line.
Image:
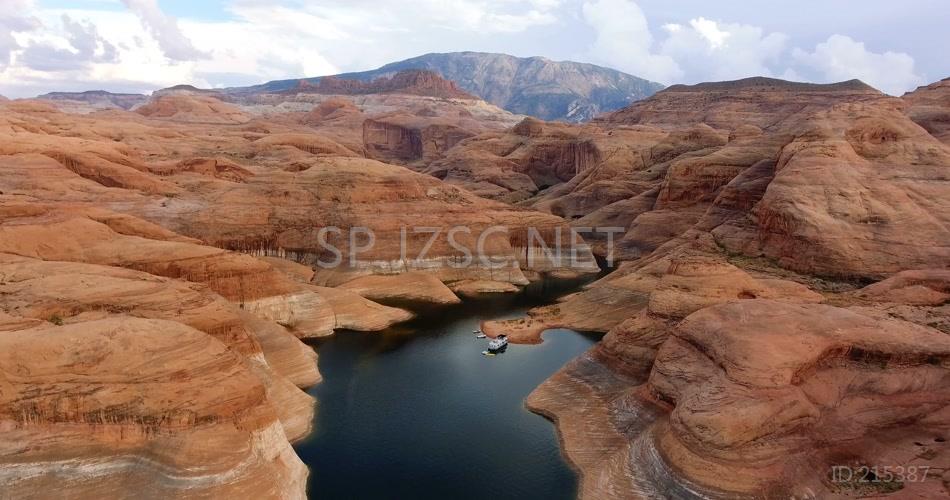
x=534 y=86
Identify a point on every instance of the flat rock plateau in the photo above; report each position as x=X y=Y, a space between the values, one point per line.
x=778 y=309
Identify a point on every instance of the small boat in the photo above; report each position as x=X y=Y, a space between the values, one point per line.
x=486 y=353
x=476 y=332
x=480 y=336
x=498 y=344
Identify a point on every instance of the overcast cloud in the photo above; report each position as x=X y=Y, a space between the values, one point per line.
x=84 y=47
x=142 y=45
x=164 y=30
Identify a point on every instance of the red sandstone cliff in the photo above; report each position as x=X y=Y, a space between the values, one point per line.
x=751 y=203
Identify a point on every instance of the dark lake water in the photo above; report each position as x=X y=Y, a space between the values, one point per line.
x=418 y=412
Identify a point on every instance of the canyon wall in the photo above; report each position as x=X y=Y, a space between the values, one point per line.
x=159 y=268
x=777 y=319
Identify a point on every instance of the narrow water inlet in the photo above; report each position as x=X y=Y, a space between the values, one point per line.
x=418 y=412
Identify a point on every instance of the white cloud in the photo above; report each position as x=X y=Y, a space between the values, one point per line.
x=56 y=56
x=841 y=58
x=700 y=50
x=165 y=30
x=13 y=19
x=672 y=27
x=84 y=45
x=710 y=31
x=285 y=55
x=256 y=40
x=363 y=34
x=420 y=17
x=792 y=76
x=287 y=21
x=623 y=40
x=546 y=4
x=707 y=50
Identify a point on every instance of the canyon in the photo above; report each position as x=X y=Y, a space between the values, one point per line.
x=777 y=306
x=160 y=269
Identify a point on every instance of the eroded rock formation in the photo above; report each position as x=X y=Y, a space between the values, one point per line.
x=928 y=108
x=779 y=308
x=192 y=109
x=122 y=404
x=158 y=269
x=771 y=409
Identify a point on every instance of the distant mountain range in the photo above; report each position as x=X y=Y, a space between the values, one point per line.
x=534 y=86
x=98 y=98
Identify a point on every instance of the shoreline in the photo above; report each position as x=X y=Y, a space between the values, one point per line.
x=426 y=332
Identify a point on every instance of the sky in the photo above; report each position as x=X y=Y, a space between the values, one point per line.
x=143 y=45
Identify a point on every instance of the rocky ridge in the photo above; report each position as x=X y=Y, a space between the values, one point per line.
x=95 y=100
x=413 y=82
